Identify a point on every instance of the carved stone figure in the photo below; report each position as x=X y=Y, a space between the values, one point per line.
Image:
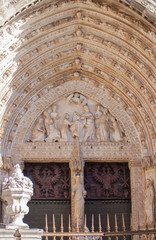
x=115 y=131
x=47 y=122
x=149 y=202
x=54 y=134
x=77 y=98
x=17 y=191
x=64 y=127
x=104 y=125
x=77 y=125
x=54 y=116
x=89 y=125
x=98 y=114
x=74 y=98
x=78 y=194
x=85 y=124
x=38 y=132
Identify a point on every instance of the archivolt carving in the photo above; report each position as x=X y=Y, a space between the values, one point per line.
x=132 y=82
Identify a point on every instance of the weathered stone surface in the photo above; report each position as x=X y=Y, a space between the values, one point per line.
x=104 y=52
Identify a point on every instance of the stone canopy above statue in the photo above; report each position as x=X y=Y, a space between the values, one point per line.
x=76 y=116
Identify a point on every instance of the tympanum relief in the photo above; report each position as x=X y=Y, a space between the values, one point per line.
x=76 y=116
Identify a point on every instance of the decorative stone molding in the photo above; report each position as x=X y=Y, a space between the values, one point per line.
x=17 y=191
x=133 y=86
x=150 y=5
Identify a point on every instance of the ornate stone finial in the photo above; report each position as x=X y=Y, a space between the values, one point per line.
x=17 y=191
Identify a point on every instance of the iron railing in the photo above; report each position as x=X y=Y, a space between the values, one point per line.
x=141 y=233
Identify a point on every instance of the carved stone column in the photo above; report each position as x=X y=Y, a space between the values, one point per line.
x=78 y=192
x=17 y=191
x=137 y=193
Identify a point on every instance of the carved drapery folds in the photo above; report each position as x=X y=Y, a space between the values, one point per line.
x=149 y=199
x=51 y=181
x=76 y=116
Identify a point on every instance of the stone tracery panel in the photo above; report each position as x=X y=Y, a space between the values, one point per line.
x=76 y=116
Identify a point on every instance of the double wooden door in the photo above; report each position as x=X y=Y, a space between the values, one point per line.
x=108 y=192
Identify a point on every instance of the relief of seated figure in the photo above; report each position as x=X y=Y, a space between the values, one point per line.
x=54 y=134
x=87 y=122
x=38 y=131
x=77 y=125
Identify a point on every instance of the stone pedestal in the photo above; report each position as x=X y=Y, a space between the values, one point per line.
x=7 y=234
x=31 y=234
x=17 y=191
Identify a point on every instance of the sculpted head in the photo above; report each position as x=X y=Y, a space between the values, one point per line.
x=45 y=114
x=86 y=109
x=53 y=107
x=66 y=116
x=76 y=95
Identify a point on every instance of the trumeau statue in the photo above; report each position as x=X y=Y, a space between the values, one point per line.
x=76 y=116
x=78 y=194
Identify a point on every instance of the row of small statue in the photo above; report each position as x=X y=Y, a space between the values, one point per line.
x=101 y=126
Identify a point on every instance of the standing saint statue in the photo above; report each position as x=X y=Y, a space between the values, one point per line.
x=149 y=202
x=98 y=114
x=89 y=126
x=54 y=115
x=64 y=127
x=77 y=125
x=78 y=194
x=104 y=125
x=115 y=131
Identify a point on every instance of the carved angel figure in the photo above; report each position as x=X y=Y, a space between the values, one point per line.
x=77 y=98
x=38 y=131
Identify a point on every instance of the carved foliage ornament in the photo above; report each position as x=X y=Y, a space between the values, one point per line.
x=76 y=116
x=17 y=180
